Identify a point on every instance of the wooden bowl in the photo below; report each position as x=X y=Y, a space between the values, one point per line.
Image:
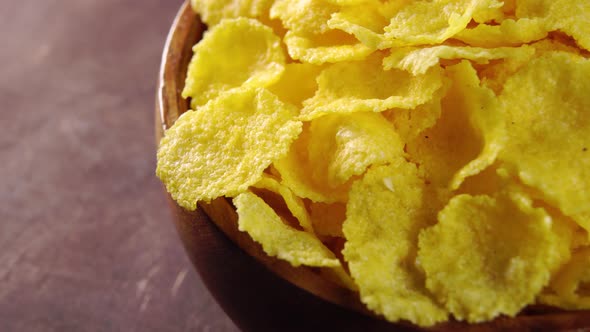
x=261 y=293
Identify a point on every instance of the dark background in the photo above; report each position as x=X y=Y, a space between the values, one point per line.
x=86 y=239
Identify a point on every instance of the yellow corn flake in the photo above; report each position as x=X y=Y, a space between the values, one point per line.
x=365 y=21
x=304 y=74
x=560 y=15
x=485 y=116
x=294 y=170
x=386 y=211
x=571 y=232
x=278 y=239
x=566 y=229
x=213 y=11
x=465 y=139
x=224 y=148
x=552 y=45
x=303 y=16
x=432 y=22
x=532 y=8
x=337 y=148
x=488 y=256
x=406 y=23
x=493 y=14
x=419 y=60
x=570 y=285
x=546 y=105
x=235 y=53
x=571 y=17
x=327 y=219
x=495 y=75
x=363 y=86
x=509 y=33
x=294 y=203
x=333 y=46
x=343 y=146
x=409 y=123
x=444 y=149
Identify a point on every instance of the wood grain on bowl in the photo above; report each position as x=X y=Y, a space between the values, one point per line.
x=261 y=293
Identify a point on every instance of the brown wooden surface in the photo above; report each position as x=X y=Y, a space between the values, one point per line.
x=86 y=237
x=263 y=294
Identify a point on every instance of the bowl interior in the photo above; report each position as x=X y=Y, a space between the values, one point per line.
x=188 y=30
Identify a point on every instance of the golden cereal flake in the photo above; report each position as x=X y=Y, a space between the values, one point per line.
x=294 y=203
x=213 y=11
x=432 y=22
x=278 y=239
x=386 y=211
x=571 y=283
x=235 y=53
x=343 y=146
x=294 y=169
x=303 y=16
x=488 y=256
x=466 y=138
x=223 y=148
x=419 y=60
x=509 y=33
x=333 y=46
x=363 y=86
x=547 y=108
x=304 y=74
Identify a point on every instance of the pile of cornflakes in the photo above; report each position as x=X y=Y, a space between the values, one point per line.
x=433 y=154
